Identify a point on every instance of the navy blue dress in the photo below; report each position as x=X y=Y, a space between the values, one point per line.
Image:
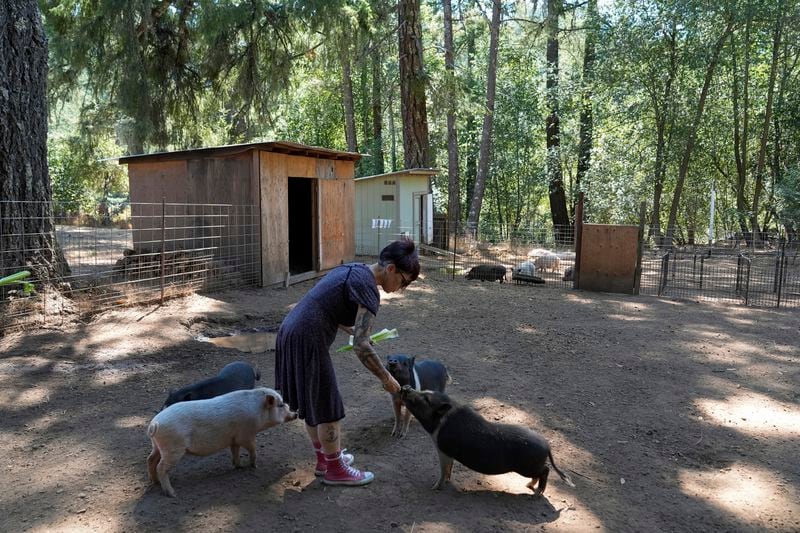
x=304 y=371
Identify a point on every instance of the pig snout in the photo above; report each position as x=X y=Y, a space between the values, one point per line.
x=276 y=411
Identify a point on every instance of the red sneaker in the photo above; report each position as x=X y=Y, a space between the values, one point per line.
x=322 y=463
x=340 y=473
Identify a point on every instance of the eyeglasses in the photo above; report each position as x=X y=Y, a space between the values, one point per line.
x=406 y=282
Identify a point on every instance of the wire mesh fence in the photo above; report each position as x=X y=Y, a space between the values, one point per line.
x=762 y=278
x=732 y=268
x=526 y=255
x=79 y=263
x=83 y=263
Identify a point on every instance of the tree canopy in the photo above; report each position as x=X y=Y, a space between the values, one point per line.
x=655 y=101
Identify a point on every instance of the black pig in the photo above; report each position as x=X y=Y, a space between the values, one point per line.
x=234 y=376
x=487 y=273
x=461 y=434
x=425 y=375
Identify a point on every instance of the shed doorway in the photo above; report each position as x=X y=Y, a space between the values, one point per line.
x=303 y=215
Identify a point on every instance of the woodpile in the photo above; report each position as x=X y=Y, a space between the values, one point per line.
x=179 y=266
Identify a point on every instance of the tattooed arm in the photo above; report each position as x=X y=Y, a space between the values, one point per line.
x=366 y=354
x=346 y=329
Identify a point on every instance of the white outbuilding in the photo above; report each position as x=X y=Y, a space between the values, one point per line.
x=393 y=204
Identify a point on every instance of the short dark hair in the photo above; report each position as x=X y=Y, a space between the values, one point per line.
x=402 y=253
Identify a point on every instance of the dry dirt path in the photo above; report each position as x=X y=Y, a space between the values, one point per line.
x=670 y=416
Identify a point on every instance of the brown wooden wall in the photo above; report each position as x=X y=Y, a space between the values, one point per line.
x=219 y=180
x=256 y=178
x=336 y=204
x=608 y=258
x=189 y=182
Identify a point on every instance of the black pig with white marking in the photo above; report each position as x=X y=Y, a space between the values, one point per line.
x=461 y=434
x=234 y=376
x=425 y=375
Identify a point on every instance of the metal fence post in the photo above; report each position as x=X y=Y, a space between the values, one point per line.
x=455 y=247
x=637 y=273
x=664 y=274
x=163 y=238
x=702 y=262
x=747 y=285
x=576 y=266
x=780 y=273
x=738 y=273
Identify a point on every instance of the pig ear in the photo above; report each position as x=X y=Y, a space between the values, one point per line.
x=187 y=397
x=269 y=401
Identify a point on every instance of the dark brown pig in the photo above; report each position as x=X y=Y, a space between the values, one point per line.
x=461 y=434
x=487 y=273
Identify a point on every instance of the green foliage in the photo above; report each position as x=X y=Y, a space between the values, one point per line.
x=787 y=194
x=81 y=181
x=143 y=75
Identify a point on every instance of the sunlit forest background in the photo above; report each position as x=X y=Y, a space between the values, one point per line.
x=527 y=103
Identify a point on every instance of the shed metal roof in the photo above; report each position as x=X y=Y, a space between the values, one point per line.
x=405 y=172
x=282 y=147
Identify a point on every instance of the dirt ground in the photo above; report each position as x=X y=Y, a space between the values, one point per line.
x=669 y=416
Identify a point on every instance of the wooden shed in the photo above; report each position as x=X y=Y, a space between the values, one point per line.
x=302 y=197
x=393 y=204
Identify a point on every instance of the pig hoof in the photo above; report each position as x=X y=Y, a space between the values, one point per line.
x=170 y=493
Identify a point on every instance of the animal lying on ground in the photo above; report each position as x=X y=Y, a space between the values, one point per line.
x=487 y=273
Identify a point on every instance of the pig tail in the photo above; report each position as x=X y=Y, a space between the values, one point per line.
x=403 y=254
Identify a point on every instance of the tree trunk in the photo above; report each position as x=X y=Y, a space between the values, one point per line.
x=416 y=147
x=377 y=113
x=364 y=67
x=586 y=119
x=393 y=133
x=777 y=150
x=347 y=94
x=662 y=113
x=474 y=214
x=26 y=213
x=687 y=153
x=738 y=145
x=745 y=121
x=453 y=179
x=471 y=163
x=558 y=199
x=762 y=151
